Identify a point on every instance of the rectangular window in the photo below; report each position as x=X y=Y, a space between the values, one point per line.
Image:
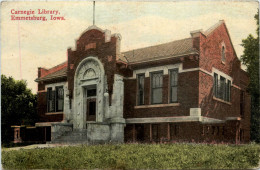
x=59 y=98
x=222 y=91
x=157 y=87
x=215 y=85
x=228 y=90
x=55 y=99
x=173 y=85
x=50 y=100
x=140 y=87
x=221 y=88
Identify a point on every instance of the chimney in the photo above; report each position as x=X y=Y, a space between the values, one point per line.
x=196 y=38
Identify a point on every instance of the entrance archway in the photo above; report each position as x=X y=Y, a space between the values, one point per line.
x=89 y=74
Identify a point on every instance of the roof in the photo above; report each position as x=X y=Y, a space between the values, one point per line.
x=152 y=53
x=211 y=29
x=162 y=51
x=58 y=74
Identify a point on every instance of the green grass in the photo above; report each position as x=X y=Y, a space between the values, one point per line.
x=139 y=156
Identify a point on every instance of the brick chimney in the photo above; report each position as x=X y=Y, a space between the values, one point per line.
x=196 y=38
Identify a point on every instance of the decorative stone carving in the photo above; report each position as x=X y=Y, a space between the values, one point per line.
x=89 y=72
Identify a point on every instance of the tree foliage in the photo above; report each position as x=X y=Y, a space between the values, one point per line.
x=250 y=58
x=18 y=106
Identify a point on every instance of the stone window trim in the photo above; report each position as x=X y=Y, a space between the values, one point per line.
x=220 y=73
x=53 y=85
x=53 y=113
x=164 y=68
x=157 y=105
x=220 y=100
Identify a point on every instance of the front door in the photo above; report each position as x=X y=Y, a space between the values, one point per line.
x=91 y=104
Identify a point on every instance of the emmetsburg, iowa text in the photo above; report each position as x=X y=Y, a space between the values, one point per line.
x=37 y=15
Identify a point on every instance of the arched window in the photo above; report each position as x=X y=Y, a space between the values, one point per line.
x=223 y=57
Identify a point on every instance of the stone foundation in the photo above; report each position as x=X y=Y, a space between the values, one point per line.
x=59 y=129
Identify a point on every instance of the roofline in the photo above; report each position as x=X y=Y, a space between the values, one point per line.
x=179 y=55
x=208 y=33
x=121 y=61
x=154 y=45
x=50 y=78
x=65 y=62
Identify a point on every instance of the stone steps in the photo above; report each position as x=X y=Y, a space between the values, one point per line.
x=76 y=136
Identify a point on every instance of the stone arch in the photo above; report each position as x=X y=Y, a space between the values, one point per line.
x=89 y=72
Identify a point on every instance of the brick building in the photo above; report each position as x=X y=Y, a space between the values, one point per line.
x=191 y=89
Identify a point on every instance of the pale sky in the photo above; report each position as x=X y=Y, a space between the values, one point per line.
x=45 y=43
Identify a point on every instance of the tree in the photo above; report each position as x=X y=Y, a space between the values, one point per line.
x=18 y=106
x=250 y=58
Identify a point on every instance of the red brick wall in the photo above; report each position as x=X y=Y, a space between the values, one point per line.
x=42 y=110
x=185 y=132
x=187 y=97
x=210 y=53
x=42 y=105
x=42 y=102
x=210 y=56
x=104 y=51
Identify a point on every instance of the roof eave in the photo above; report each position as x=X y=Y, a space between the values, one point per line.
x=50 y=78
x=172 y=56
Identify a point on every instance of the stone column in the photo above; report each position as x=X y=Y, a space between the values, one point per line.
x=117 y=121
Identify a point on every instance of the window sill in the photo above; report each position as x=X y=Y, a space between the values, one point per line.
x=156 y=105
x=53 y=113
x=222 y=62
x=220 y=100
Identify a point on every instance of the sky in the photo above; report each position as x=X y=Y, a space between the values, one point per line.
x=27 y=45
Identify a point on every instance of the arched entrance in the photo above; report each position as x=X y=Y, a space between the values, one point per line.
x=89 y=85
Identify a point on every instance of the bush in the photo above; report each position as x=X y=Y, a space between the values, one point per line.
x=135 y=156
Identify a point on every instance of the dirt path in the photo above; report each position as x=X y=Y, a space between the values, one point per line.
x=34 y=146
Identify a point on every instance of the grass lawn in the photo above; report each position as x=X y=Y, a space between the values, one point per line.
x=139 y=156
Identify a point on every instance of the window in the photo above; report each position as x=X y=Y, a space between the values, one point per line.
x=59 y=98
x=140 y=87
x=221 y=87
x=50 y=100
x=91 y=92
x=55 y=99
x=223 y=57
x=228 y=90
x=157 y=86
x=173 y=85
x=215 y=85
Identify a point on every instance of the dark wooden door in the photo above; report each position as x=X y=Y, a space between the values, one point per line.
x=91 y=109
